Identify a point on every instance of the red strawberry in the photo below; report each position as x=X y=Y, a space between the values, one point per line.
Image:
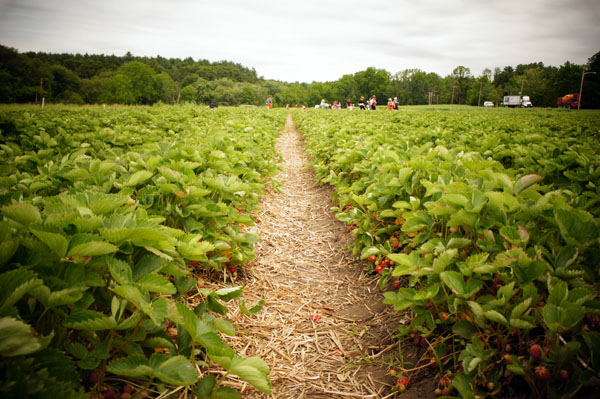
x=372 y=258
x=535 y=351
x=402 y=383
x=541 y=373
x=444 y=316
x=379 y=269
x=564 y=375
x=93 y=378
x=127 y=388
x=404 y=380
x=396 y=284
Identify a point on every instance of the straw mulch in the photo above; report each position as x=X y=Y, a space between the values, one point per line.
x=324 y=331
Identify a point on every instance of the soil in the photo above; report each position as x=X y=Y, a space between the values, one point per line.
x=324 y=331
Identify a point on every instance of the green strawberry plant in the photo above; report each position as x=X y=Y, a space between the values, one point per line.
x=491 y=256
x=99 y=264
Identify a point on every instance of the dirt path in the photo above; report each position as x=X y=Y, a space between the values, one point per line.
x=324 y=331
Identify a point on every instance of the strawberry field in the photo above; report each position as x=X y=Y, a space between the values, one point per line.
x=483 y=225
x=107 y=217
x=485 y=228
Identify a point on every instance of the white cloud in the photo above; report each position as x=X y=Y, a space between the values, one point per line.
x=313 y=40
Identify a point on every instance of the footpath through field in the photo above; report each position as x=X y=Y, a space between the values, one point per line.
x=324 y=331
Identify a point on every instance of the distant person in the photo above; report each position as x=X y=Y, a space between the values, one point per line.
x=373 y=103
x=296 y=106
x=324 y=104
x=361 y=103
x=348 y=103
x=303 y=106
x=269 y=102
x=213 y=104
x=287 y=106
x=396 y=104
x=390 y=104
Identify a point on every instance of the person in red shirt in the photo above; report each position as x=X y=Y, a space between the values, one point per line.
x=390 y=104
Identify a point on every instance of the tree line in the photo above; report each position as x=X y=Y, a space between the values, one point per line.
x=108 y=79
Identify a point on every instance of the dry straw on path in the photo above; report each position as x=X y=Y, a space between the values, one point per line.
x=324 y=331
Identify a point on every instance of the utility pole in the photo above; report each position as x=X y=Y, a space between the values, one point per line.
x=522 y=83
x=41 y=89
x=583 y=73
x=479 y=101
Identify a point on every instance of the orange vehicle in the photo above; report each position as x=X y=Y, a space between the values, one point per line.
x=568 y=101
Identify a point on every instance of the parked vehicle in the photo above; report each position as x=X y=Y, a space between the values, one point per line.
x=488 y=104
x=517 y=101
x=568 y=101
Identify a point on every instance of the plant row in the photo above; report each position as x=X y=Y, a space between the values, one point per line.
x=487 y=223
x=107 y=217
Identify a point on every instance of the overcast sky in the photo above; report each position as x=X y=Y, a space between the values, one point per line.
x=313 y=40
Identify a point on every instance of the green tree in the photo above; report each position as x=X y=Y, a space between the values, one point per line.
x=248 y=96
x=481 y=90
x=410 y=87
x=90 y=90
x=167 y=88
x=188 y=94
x=346 y=88
x=117 y=89
x=63 y=79
x=189 y=79
x=502 y=77
x=373 y=82
x=144 y=85
x=461 y=79
x=261 y=93
x=566 y=80
x=293 y=94
x=591 y=83
x=227 y=92
x=70 y=97
x=205 y=91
